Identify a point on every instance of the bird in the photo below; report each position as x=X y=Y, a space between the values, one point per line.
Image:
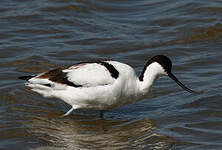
x=101 y=84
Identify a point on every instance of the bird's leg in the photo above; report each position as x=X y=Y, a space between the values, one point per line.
x=69 y=112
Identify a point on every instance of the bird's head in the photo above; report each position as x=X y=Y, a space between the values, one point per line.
x=162 y=66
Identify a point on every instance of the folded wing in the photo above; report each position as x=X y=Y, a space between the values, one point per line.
x=86 y=74
x=89 y=74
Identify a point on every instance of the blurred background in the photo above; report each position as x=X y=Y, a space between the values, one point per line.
x=39 y=35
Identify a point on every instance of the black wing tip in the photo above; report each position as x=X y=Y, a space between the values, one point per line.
x=25 y=77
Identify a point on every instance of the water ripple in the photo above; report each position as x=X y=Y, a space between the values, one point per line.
x=41 y=35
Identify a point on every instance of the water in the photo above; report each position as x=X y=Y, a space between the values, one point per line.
x=42 y=34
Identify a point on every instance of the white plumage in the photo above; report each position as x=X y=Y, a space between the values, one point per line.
x=89 y=75
x=100 y=85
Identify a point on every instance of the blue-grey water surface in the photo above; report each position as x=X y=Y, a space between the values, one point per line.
x=39 y=35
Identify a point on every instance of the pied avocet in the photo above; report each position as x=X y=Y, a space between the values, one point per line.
x=101 y=85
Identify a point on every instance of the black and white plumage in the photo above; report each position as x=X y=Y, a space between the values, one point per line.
x=101 y=85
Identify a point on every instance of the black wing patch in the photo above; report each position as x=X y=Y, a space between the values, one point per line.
x=112 y=70
x=26 y=77
x=57 y=75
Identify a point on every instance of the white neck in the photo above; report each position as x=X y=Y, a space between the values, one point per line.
x=152 y=72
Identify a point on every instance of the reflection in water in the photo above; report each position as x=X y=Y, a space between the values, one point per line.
x=38 y=36
x=41 y=126
x=97 y=133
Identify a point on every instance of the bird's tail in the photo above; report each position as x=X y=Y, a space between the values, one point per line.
x=26 y=77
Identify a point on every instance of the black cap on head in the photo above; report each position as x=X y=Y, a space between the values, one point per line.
x=164 y=61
